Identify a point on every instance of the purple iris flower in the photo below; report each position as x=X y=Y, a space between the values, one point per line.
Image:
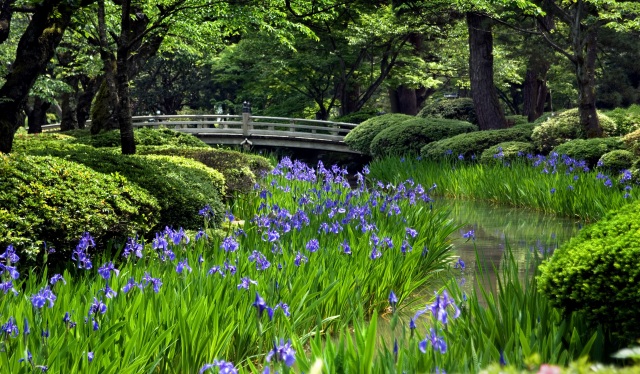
x=437 y=342
x=10 y=255
x=471 y=234
x=106 y=269
x=300 y=259
x=13 y=272
x=42 y=297
x=10 y=329
x=313 y=245
x=8 y=286
x=283 y=353
x=57 y=278
x=245 y=283
x=155 y=282
x=134 y=247
x=345 y=247
x=393 y=300
x=182 y=266
x=130 y=285
x=260 y=304
x=97 y=307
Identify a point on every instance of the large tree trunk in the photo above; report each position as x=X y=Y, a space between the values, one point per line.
x=103 y=116
x=535 y=91
x=36 y=47
x=483 y=90
x=37 y=115
x=123 y=109
x=586 y=78
x=5 y=19
x=404 y=100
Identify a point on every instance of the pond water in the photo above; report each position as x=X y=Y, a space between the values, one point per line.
x=494 y=227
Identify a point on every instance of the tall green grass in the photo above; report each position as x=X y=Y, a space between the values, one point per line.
x=551 y=187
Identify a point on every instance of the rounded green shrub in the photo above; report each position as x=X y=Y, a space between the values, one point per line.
x=507 y=151
x=617 y=160
x=181 y=186
x=597 y=273
x=461 y=109
x=239 y=169
x=50 y=199
x=142 y=136
x=627 y=119
x=564 y=127
x=473 y=144
x=411 y=135
x=589 y=150
x=359 y=139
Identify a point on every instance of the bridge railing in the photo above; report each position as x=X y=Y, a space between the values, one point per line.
x=244 y=124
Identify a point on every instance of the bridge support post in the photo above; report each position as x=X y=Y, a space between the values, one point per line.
x=246 y=117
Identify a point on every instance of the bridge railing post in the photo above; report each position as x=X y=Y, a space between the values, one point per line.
x=246 y=117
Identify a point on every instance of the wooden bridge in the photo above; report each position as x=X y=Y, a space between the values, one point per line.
x=248 y=130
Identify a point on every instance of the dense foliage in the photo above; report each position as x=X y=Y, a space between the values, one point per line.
x=52 y=200
x=461 y=109
x=596 y=273
x=632 y=142
x=564 y=127
x=240 y=170
x=360 y=138
x=589 y=150
x=472 y=145
x=358 y=117
x=507 y=151
x=411 y=135
x=627 y=119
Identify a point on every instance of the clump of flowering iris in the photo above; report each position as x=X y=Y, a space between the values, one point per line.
x=106 y=270
x=133 y=246
x=313 y=245
x=229 y=244
x=437 y=342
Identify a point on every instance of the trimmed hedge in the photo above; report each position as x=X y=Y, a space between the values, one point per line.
x=617 y=160
x=181 y=186
x=239 y=169
x=473 y=144
x=411 y=135
x=597 y=273
x=359 y=139
x=589 y=150
x=507 y=151
x=142 y=136
x=564 y=127
x=56 y=200
x=461 y=109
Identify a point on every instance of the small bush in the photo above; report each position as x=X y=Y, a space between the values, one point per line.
x=410 y=136
x=589 y=150
x=358 y=117
x=617 y=160
x=181 y=186
x=564 y=127
x=359 y=139
x=627 y=120
x=507 y=151
x=239 y=169
x=55 y=200
x=461 y=109
x=142 y=136
x=597 y=273
x=632 y=141
x=473 y=144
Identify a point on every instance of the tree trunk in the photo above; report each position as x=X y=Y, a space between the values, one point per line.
x=103 y=116
x=586 y=78
x=123 y=109
x=534 y=92
x=5 y=19
x=349 y=95
x=404 y=100
x=36 y=47
x=483 y=90
x=90 y=88
x=37 y=115
x=69 y=104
